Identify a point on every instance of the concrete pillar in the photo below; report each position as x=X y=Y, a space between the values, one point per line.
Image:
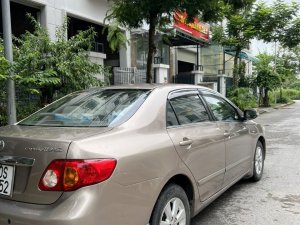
x=51 y=18
x=125 y=53
x=222 y=82
x=43 y=16
x=172 y=62
x=161 y=73
x=198 y=76
x=8 y=52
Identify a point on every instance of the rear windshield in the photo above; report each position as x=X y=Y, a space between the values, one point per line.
x=85 y=109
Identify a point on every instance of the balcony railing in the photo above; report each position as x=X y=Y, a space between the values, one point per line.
x=199 y=67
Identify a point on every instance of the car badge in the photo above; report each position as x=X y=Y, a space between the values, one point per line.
x=2 y=145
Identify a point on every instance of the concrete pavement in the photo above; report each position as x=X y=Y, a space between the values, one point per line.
x=275 y=200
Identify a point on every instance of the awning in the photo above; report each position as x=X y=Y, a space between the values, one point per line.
x=182 y=39
x=242 y=55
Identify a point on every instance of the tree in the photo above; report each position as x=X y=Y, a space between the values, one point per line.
x=156 y=13
x=292 y=37
x=3 y=76
x=278 y=22
x=116 y=37
x=265 y=22
x=287 y=68
x=3 y=63
x=236 y=34
x=294 y=54
x=44 y=66
x=266 y=78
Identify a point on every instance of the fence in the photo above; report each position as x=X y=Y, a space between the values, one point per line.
x=129 y=75
x=25 y=103
x=184 y=78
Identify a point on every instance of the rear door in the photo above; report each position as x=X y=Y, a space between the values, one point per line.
x=238 y=142
x=198 y=140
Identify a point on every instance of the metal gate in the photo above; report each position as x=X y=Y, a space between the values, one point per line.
x=129 y=75
x=184 y=78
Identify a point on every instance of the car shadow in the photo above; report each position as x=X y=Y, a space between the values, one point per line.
x=208 y=216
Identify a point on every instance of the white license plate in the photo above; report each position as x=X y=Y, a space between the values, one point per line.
x=6 y=179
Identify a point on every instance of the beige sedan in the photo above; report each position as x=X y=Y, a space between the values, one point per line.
x=126 y=155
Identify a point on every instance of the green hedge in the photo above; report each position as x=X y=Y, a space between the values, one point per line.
x=22 y=112
x=287 y=96
x=243 y=98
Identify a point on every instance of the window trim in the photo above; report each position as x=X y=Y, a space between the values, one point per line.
x=178 y=124
x=217 y=95
x=183 y=92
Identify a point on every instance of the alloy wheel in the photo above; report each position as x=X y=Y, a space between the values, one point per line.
x=258 y=160
x=174 y=213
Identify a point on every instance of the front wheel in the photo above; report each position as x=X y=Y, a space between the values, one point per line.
x=258 y=163
x=172 y=207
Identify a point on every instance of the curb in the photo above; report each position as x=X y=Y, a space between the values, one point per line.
x=269 y=109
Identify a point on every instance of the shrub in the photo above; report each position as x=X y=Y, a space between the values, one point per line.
x=287 y=96
x=284 y=99
x=295 y=85
x=243 y=98
x=24 y=111
x=44 y=66
x=3 y=116
x=292 y=93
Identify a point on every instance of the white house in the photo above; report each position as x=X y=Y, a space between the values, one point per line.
x=82 y=15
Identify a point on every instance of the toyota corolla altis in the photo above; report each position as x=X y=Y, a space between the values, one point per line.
x=126 y=155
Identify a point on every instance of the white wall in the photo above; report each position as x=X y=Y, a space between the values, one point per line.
x=94 y=10
x=89 y=10
x=54 y=11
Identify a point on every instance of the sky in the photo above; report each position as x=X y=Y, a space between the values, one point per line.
x=259 y=46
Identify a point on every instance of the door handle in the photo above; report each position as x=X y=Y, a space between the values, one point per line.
x=227 y=134
x=186 y=142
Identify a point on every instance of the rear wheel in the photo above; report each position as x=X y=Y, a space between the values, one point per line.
x=258 y=163
x=172 y=207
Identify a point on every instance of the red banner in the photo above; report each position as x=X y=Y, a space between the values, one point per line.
x=195 y=29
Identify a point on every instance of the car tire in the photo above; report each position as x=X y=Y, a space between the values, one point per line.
x=172 y=207
x=258 y=162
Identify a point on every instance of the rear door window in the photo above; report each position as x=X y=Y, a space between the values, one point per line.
x=171 y=117
x=188 y=108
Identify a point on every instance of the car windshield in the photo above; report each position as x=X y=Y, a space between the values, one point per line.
x=102 y=108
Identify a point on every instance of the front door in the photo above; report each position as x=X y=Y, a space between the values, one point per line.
x=238 y=142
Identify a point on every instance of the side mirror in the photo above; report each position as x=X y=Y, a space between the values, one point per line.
x=250 y=114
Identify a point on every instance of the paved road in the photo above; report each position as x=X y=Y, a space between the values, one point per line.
x=276 y=198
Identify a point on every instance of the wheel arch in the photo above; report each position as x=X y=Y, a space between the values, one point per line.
x=263 y=141
x=186 y=184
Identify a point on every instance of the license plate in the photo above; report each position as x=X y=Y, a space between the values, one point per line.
x=6 y=179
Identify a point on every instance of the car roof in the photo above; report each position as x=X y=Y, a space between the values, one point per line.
x=145 y=86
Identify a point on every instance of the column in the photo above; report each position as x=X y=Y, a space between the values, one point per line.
x=222 y=81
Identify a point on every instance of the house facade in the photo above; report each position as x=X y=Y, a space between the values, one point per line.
x=82 y=15
x=188 y=57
